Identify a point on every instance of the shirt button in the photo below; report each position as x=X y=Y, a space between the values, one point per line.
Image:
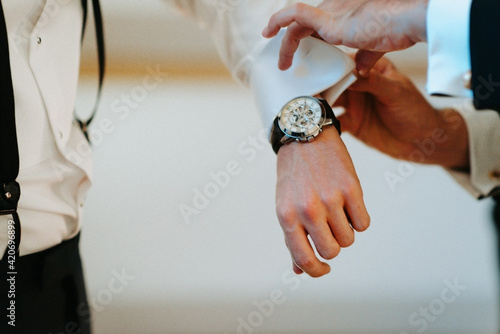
x=39 y=40
x=60 y=135
x=467 y=79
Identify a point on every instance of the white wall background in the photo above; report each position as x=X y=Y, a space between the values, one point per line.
x=150 y=271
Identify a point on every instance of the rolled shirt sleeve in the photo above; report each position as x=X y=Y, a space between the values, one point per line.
x=236 y=26
x=317 y=68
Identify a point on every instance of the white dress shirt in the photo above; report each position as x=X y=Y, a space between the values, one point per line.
x=449 y=73
x=44 y=46
x=55 y=158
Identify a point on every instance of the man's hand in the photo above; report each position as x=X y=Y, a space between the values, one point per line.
x=387 y=112
x=318 y=195
x=372 y=26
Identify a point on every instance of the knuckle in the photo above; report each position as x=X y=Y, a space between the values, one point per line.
x=284 y=214
x=300 y=7
x=285 y=210
x=333 y=198
x=353 y=189
x=309 y=209
x=288 y=225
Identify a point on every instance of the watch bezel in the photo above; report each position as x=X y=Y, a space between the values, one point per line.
x=301 y=135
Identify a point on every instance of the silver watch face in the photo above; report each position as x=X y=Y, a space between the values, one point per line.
x=302 y=118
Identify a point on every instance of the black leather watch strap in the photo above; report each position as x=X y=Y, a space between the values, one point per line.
x=331 y=115
x=276 y=135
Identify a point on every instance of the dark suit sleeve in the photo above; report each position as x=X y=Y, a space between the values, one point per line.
x=485 y=53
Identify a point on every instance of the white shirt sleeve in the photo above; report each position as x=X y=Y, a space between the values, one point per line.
x=236 y=28
x=449 y=62
x=484 y=136
x=448 y=47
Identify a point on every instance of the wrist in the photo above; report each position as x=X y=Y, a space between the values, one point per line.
x=458 y=146
x=447 y=144
x=327 y=142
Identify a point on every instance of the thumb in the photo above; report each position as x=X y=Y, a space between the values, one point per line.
x=365 y=60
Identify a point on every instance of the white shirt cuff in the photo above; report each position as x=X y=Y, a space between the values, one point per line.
x=484 y=135
x=318 y=67
x=448 y=47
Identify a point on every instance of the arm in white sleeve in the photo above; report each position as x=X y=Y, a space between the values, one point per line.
x=448 y=47
x=236 y=26
x=449 y=61
x=483 y=127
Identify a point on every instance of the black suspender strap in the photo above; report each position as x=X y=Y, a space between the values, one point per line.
x=9 y=155
x=99 y=31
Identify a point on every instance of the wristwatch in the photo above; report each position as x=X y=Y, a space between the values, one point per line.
x=302 y=119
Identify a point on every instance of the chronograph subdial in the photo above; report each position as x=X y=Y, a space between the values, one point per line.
x=302 y=116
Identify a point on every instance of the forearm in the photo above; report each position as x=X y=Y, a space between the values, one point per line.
x=235 y=27
x=445 y=143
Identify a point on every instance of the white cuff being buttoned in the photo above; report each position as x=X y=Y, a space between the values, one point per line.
x=448 y=47
x=318 y=67
x=484 y=139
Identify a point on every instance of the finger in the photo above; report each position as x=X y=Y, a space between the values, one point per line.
x=296 y=269
x=290 y=44
x=376 y=84
x=384 y=66
x=307 y=16
x=303 y=255
x=302 y=20
x=356 y=209
x=326 y=244
x=341 y=228
x=365 y=60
